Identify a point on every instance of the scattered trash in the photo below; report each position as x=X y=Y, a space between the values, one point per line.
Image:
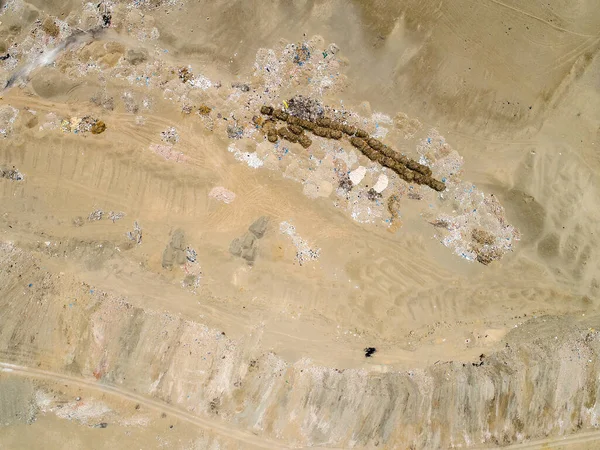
x=185 y=74
x=136 y=234
x=305 y=108
x=303 y=251
x=222 y=194
x=114 y=216
x=191 y=254
x=167 y=152
x=96 y=215
x=345 y=183
x=241 y=86
x=373 y=195
x=82 y=125
x=202 y=82
x=252 y=159
x=369 y=351
x=170 y=135
x=234 y=132
x=187 y=109
x=101 y=425
x=11 y=174
x=302 y=54
x=476 y=228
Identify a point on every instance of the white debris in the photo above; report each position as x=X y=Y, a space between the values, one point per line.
x=378 y=117
x=167 y=152
x=8 y=114
x=201 y=82
x=381 y=184
x=303 y=251
x=357 y=175
x=252 y=159
x=221 y=194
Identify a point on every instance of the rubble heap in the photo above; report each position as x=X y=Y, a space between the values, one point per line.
x=408 y=169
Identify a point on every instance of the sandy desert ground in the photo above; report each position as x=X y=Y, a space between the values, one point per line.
x=171 y=278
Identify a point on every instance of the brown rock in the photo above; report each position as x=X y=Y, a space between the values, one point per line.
x=267 y=110
x=362 y=134
x=424 y=170
x=357 y=142
x=387 y=161
x=287 y=134
x=324 y=122
x=280 y=114
x=349 y=130
x=412 y=164
x=304 y=141
x=307 y=124
x=98 y=127
x=437 y=185
x=335 y=134
x=401 y=159
x=295 y=129
x=387 y=151
x=321 y=132
x=375 y=144
x=419 y=178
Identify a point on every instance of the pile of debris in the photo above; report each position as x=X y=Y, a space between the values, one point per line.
x=11 y=174
x=408 y=169
x=83 y=125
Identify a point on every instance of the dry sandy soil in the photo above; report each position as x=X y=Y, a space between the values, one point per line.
x=127 y=322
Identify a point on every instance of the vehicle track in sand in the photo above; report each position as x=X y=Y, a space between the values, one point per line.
x=226 y=430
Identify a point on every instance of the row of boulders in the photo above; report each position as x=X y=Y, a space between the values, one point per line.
x=408 y=169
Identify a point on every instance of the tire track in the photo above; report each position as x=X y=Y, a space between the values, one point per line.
x=539 y=19
x=226 y=430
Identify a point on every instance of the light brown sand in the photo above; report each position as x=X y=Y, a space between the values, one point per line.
x=270 y=355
